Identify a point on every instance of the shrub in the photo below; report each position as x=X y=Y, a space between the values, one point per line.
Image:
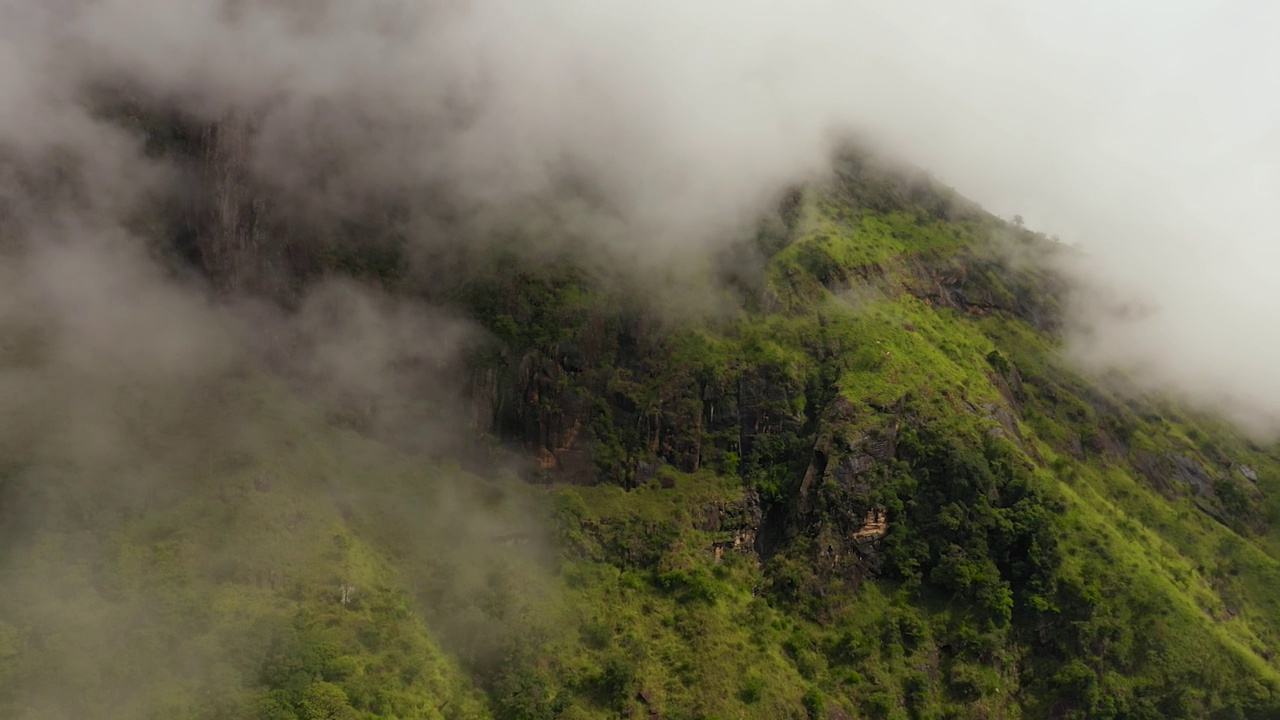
x=752 y=689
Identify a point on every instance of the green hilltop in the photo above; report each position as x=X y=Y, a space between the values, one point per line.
x=872 y=491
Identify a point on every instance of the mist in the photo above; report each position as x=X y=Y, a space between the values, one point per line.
x=1144 y=133
x=640 y=137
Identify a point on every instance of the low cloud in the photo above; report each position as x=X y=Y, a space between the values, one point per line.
x=646 y=136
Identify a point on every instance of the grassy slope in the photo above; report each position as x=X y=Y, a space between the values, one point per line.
x=223 y=601
x=1182 y=614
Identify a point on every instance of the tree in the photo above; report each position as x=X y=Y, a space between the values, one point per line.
x=326 y=701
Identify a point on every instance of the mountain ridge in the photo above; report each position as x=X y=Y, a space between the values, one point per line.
x=870 y=489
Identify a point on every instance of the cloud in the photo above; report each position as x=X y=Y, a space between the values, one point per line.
x=641 y=135
x=1145 y=132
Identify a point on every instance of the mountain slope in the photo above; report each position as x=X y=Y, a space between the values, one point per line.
x=871 y=489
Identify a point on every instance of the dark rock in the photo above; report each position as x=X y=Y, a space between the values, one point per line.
x=764 y=405
x=851 y=466
x=644 y=472
x=1008 y=424
x=1102 y=443
x=231 y=236
x=742 y=520
x=746 y=522
x=980 y=285
x=1189 y=472
x=1202 y=507
x=834 y=509
x=817 y=469
x=1075 y=448
x=882 y=445
x=533 y=404
x=482 y=400
x=576 y=465
x=842 y=408
x=1165 y=469
x=1009 y=385
x=711 y=518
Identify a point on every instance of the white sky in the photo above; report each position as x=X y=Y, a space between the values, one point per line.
x=1150 y=132
x=1147 y=131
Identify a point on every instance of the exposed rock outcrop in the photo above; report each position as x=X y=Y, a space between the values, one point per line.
x=740 y=522
x=834 y=506
x=230 y=224
x=1166 y=469
x=981 y=285
x=532 y=402
x=1247 y=472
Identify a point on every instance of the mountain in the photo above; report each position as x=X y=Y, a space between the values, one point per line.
x=853 y=478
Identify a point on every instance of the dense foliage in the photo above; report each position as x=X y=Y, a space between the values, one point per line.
x=873 y=491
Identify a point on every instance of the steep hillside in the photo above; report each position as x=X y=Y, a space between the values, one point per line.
x=871 y=490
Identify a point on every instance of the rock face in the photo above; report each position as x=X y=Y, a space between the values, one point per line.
x=1167 y=471
x=230 y=223
x=982 y=285
x=552 y=419
x=835 y=508
x=741 y=521
x=246 y=234
x=1247 y=472
x=531 y=401
x=1006 y=423
x=608 y=392
x=764 y=406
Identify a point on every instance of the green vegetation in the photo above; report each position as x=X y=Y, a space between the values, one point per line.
x=874 y=492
